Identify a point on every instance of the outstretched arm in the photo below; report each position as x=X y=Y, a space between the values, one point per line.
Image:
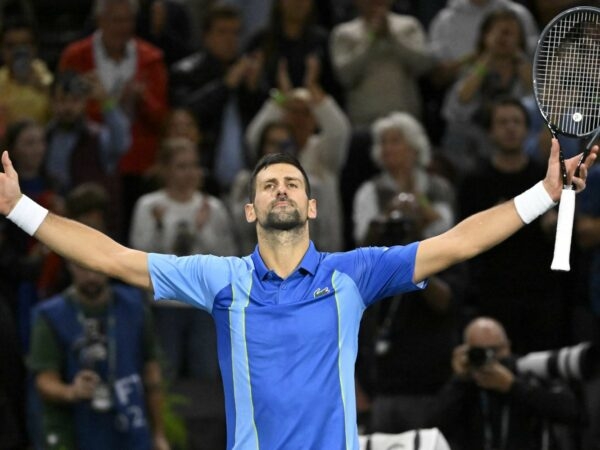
x=72 y=240
x=484 y=230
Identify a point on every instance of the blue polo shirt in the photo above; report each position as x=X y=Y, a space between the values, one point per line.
x=287 y=347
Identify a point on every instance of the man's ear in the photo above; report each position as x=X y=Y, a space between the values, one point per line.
x=312 y=208
x=249 y=211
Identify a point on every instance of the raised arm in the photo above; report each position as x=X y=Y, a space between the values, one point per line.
x=484 y=230
x=72 y=240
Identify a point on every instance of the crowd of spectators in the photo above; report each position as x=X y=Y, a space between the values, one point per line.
x=407 y=116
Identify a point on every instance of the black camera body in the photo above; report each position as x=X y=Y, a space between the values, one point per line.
x=480 y=356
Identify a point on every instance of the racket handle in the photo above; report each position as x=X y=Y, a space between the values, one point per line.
x=564 y=230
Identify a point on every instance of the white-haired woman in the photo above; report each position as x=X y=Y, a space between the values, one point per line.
x=402 y=150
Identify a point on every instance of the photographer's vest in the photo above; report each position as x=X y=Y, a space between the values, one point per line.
x=125 y=425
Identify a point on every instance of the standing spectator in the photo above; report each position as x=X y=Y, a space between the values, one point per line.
x=378 y=57
x=132 y=71
x=321 y=133
x=166 y=24
x=24 y=79
x=291 y=36
x=401 y=149
x=179 y=219
x=222 y=89
x=500 y=68
x=488 y=404
x=512 y=282
x=81 y=150
x=94 y=357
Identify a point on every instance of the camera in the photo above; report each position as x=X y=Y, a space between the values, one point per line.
x=480 y=356
x=575 y=363
x=93 y=349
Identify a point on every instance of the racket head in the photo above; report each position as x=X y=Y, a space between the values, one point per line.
x=566 y=72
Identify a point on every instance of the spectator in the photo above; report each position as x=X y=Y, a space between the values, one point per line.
x=24 y=79
x=94 y=358
x=453 y=32
x=501 y=68
x=178 y=219
x=291 y=36
x=222 y=89
x=401 y=149
x=380 y=48
x=81 y=150
x=276 y=137
x=167 y=25
x=407 y=339
x=488 y=404
x=321 y=133
x=132 y=71
x=512 y=282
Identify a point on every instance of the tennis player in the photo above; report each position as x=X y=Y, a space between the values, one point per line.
x=287 y=316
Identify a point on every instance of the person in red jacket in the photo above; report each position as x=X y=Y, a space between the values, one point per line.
x=133 y=74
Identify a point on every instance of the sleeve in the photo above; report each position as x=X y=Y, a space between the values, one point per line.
x=194 y=280
x=381 y=272
x=365 y=209
x=349 y=54
x=45 y=353
x=270 y=112
x=411 y=46
x=115 y=137
x=334 y=135
x=143 y=234
x=152 y=106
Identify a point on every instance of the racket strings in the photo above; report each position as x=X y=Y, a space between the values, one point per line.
x=567 y=74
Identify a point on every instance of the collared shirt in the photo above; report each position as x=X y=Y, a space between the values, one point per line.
x=287 y=347
x=114 y=74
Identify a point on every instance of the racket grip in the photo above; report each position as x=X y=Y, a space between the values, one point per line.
x=564 y=230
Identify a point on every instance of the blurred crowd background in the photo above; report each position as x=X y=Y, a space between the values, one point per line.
x=144 y=119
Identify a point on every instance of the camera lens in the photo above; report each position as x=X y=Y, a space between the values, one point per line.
x=479 y=356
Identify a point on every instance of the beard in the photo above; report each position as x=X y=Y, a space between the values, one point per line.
x=92 y=291
x=283 y=220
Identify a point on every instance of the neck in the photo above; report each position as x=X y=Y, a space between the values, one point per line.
x=509 y=162
x=114 y=53
x=180 y=195
x=404 y=179
x=282 y=251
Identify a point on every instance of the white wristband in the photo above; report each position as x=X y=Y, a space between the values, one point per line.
x=533 y=203
x=27 y=215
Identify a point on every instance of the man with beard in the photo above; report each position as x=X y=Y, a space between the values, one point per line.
x=94 y=356
x=287 y=316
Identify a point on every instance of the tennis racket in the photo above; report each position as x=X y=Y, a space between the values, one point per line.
x=566 y=85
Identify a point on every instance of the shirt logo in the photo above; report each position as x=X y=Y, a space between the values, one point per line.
x=320 y=292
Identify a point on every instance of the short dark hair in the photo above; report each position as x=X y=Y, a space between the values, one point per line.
x=269 y=160
x=488 y=114
x=86 y=198
x=219 y=11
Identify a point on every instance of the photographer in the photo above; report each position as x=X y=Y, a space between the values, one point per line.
x=489 y=405
x=94 y=357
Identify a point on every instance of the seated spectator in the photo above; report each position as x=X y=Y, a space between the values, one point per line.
x=321 y=133
x=501 y=68
x=276 y=137
x=132 y=71
x=222 y=88
x=401 y=149
x=94 y=358
x=406 y=341
x=24 y=79
x=489 y=404
x=378 y=57
x=81 y=150
x=512 y=282
x=179 y=219
x=292 y=35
